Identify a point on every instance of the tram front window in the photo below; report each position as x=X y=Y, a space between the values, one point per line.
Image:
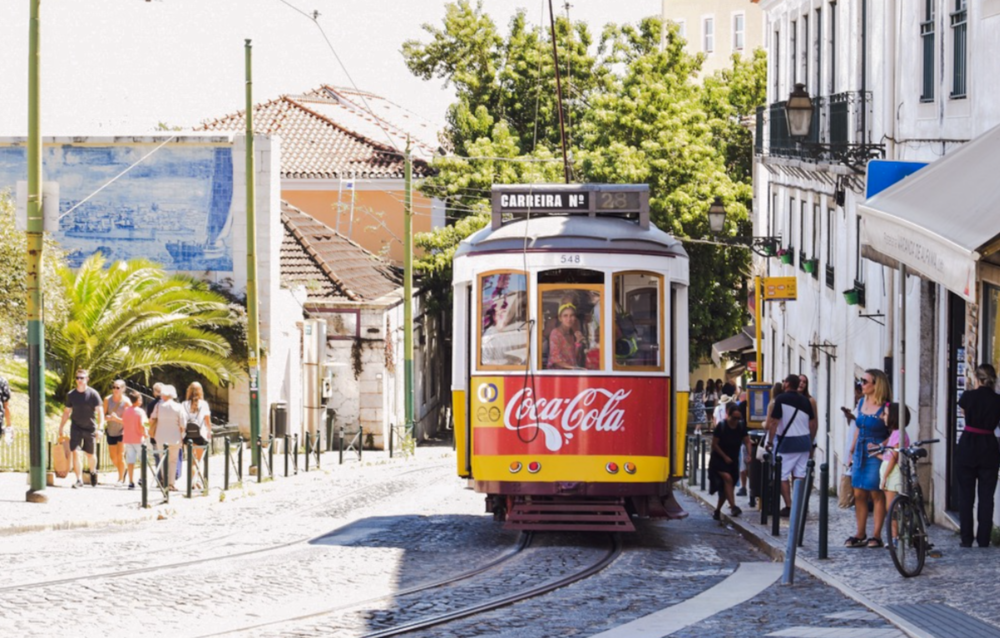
x=503 y=320
x=638 y=321
x=571 y=326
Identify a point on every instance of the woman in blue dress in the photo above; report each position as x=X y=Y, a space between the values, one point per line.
x=871 y=430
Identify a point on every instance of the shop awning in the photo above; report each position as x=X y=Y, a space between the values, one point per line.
x=942 y=219
x=738 y=343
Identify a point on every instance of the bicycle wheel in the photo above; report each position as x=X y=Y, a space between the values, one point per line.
x=907 y=538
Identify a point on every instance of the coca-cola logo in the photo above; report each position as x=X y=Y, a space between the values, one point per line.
x=559 y=418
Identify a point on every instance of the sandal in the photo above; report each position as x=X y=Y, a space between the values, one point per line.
x=854 y=541
x=875 y=542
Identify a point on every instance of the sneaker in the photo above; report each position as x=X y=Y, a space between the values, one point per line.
x=735 y=511
x=131 y=486
x=785 y=512
x=78 y=483
x=742 y=492
x=93 y=479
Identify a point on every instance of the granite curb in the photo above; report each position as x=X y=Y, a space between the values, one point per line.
x=769 y=545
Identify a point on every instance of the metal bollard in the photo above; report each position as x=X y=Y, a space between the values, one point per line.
x=229 y=458
x=295 y=452
x=318 y=447
x=764 y=495
x=288 y=439
x=188 y=450
x=341 y=445
x=239 y=458
x=805 y=504
x=392 y=429
x=143 y=483
x=308 y=450
x=260 y=470
x=204 y=478
x=776 y=497
x=694 y=463
x=798 y=513
x=824 y=508
x=270 y=458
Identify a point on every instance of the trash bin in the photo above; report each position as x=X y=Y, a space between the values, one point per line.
x=756 y=465
x=279 y=419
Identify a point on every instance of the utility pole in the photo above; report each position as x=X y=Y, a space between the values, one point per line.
x=253 y=321
x=559 y=101
x=408 y=289
x=36 y=329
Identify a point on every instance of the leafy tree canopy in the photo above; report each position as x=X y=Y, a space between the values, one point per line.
x=636 y=113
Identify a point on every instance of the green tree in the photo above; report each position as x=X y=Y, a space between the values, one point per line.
x=132 y=318
x=14 y=281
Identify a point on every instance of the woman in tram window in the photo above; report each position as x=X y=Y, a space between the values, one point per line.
x=566 y=341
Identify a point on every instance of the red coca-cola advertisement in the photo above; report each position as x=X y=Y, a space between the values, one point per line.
x=571 y=415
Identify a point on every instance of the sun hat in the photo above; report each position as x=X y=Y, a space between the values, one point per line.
x=725 y=398
x=168 y=391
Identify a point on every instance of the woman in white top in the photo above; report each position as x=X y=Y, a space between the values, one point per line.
x=168 y=428
x=198 y=412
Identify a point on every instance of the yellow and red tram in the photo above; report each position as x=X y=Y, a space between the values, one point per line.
x=570 y=370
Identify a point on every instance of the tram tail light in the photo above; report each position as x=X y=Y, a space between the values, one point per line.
x=515 y=467
x=630 y=467
x=611 y=467
x=534 y=467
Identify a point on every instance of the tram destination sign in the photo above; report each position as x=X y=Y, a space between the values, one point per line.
x=625 y=200
x=544 y=201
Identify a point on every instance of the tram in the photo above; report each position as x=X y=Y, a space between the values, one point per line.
x=570 y=358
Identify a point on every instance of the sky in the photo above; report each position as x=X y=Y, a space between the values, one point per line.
x=120 y=67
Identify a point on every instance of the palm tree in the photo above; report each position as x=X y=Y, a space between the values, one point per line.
x=134 y=318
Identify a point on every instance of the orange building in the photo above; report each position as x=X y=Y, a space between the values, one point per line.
x=342 y=162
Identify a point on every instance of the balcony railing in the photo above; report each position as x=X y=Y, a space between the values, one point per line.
x=840 y=131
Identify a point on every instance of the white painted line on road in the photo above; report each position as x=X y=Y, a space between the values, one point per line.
x=838 y=632
x=746 y=582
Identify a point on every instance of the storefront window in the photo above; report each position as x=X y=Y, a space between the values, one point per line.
x=503 y=320
x=991 y=325
x=570 y=316
x=638 y=322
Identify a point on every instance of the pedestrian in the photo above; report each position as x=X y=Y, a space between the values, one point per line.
x=168 y=428
x=85 y=412
x=977 y=456
x=696 y=411
x=845 y=493
x=5 y=415
x=728 y=388
x=804 y=391
x=114 y=407
x=199 y=421
x=728 y=439
x=711 y=399
x=791 y=428
x=719 y=414
x=741 y=405
x=891 y=479
x=134 y=421
x=151 y=413
x=864 y=468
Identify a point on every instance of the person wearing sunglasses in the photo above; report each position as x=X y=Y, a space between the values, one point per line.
x=114 y=407
x=871 y=432
x=85 y=412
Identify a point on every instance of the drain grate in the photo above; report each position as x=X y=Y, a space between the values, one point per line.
x=945 y=621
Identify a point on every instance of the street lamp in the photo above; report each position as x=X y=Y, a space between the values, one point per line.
x=799 y=111
x=763 y=246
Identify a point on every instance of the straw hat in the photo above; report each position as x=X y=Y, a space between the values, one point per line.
x=725 y=398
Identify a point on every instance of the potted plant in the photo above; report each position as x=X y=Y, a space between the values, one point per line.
x=810 y=265
x=851 y=297
x=768 y=250
x=786 y=255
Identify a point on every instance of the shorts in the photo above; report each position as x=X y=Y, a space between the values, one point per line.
x=79 y=438
x=115 y=440
x=133 y=452
x=894 y=482
x=793 y=464
x=195 y=440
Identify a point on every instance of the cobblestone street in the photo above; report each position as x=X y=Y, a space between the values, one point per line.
x=328 y=553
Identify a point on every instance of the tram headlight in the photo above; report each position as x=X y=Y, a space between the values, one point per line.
x=611 y=467
x=534 y=467
x=515 y=467
x=630 y=467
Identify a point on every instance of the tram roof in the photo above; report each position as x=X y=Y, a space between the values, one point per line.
x=570 y=232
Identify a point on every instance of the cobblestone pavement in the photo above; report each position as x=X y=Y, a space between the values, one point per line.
x=961 y=578
x=275 y=559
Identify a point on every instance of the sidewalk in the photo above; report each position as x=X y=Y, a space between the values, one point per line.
x=952 y=591
x=109 y=504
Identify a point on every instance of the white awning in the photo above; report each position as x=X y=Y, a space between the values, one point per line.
x=740 y=343
x=940 y=220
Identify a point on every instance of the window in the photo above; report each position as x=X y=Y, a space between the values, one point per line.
x=818 y=39
x=777 y=65
x=638 y=325
x=831 y=246
x=791 y=212
x=805 y=50
x=802 y=229
x=857 y=248
x=772 y=228
x=503 y=320
x=927 y=39
x=816 y=227
x=991 y=325
x=959 y=20
x=708 y=35
x=793 y=32
x=833 y=48
x=570 y=315
x=739 y=32
x=682 y=28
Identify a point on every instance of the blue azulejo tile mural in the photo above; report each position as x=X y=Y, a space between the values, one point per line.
x=173 y=207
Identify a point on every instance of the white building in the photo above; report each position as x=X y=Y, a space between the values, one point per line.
x=910 y=82
x=716 y=28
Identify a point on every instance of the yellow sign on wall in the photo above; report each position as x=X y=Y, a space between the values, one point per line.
x=778 y=288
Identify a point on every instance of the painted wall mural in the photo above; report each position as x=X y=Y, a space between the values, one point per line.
x=174 y=207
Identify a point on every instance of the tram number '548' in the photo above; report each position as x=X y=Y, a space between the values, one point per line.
x=570 y=259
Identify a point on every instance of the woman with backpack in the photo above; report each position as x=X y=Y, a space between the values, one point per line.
x=198 y=429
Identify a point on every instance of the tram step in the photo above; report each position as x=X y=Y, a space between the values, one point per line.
x=587 y=516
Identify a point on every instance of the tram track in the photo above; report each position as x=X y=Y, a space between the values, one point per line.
x=149 y=569
x=489 y=604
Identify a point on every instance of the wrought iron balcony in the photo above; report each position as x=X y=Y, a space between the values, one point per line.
x=840 y=132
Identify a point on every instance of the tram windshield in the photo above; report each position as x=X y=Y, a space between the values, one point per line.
x=570 y=315
x=637 y=321
x=503 y=320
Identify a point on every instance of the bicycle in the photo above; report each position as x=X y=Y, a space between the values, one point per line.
x=910 y=546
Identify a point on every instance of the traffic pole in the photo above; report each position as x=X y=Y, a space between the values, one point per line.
x=36 y=330
x=408 y=290
x=253 y=320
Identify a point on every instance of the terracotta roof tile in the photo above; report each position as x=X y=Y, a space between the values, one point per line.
x=329 y=265
x=321 y=138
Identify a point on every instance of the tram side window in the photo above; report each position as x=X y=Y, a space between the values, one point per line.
x=503 y=312
x=571 y=326
x=638 y=328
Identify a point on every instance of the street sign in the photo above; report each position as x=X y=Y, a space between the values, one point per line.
x=779 y=288
x=758 y=398
x=884 y=173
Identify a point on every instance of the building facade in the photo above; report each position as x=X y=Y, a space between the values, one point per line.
x=909 y=83
x=716 y=28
